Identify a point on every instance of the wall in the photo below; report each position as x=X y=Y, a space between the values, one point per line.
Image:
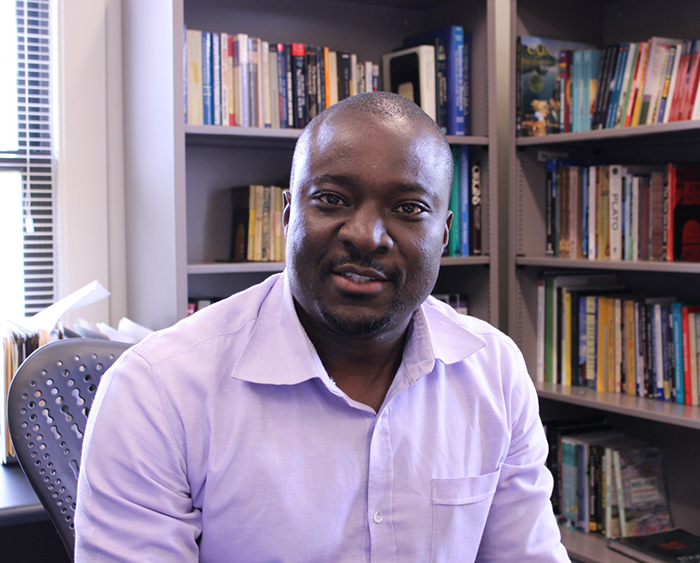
x=90 y=168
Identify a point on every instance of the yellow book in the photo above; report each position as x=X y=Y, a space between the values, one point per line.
x=640 y=86
x=630 y=346
x=603 y=331
x=591 y=339
x=566 y=339
x=195 y=106
x=251 y=225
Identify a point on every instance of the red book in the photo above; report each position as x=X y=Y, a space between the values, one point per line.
x=692 y=85
x=687 y=371
x=684 y=212
x=681 y=77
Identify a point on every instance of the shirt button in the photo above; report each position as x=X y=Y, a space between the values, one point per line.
x=378 y=517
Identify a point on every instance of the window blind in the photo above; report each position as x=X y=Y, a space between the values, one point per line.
x=34 y=158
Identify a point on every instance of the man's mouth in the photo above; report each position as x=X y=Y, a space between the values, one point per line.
x=357 y=278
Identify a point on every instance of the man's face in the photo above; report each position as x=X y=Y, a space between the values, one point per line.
x=366 y=223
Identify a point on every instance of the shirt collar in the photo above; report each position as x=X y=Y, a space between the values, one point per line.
x=279 y=352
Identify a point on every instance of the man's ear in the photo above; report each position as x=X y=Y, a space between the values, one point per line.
x=446 y=234
x=287 y=209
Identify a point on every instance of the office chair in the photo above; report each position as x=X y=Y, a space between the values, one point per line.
x=47 y=408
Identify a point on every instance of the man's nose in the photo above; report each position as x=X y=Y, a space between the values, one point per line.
x=366 y=230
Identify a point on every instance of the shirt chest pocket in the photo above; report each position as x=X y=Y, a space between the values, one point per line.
x=460 y=508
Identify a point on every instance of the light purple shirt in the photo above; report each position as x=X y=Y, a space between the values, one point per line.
x=228 y=426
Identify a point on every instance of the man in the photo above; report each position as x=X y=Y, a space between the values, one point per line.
x=335 y=412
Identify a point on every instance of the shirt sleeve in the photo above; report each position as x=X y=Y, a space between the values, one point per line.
x=521 y=525
x=134 y=500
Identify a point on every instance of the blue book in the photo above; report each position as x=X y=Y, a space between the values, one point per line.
x=454 y=46
x=464 y=199
x=467 y=84
x=679 y=379
x=617 y=85
x=576 y=90
x=216 y=76
x=594 y=59
x=282 y=78
x=207 y=79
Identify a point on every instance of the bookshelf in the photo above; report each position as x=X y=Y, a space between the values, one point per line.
x=178 y=176
x=676 y=428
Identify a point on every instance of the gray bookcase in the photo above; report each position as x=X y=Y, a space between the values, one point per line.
x=178 y=176
x=673 y=427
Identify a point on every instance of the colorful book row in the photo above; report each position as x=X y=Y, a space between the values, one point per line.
x=592 y=333
x=573 y=87
x=605 y=482
x=619 y=212
x=239 y=80
x=465 y=203
x=257 y=230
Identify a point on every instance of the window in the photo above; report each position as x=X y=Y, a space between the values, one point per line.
x=27 y=218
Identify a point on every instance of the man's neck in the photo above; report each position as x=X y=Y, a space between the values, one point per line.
x=363 y=368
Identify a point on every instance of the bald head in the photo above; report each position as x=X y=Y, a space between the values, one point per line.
x=386 y=108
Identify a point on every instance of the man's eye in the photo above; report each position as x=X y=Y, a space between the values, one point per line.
x=410 y=209
x=331 y=199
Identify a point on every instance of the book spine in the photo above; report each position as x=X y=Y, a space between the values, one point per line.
x=207 y=79
x=467 y=128
x=549 y=211
x=641 y=87
x=662 y=102
x=615 y=200
x=274 y=86
x=195 y=111
x=265 y=84
x=617 y=85
x=298 y=53
x=475 y=207
x=672 y=83
x=682 y=343
x=681 y=80
x=465 y=201
x=343 y=75
x=440 y=83
x=231 y=83
x=311 y=83
x=453 y=244
x=627 y=77
x=455 y=81
x=518 y=88
x=634 y=91
x=216 y=77
x=604 y=86
x=282 y=77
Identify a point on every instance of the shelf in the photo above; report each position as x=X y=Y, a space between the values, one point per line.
x=590 y=548
x=18 y=502
x=235 y=267
x=254 y=267
x=641 y=266
x=620 y=403
x=216 y=134
x=680 y=130
x=465 y=260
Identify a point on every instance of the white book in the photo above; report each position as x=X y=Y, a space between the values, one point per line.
x=224 y=80
x=195 y=105
x=615 y=214
x=654 y=110
x=696 y=106
x=368 y=76
x=332 y=78
x=634 y=223
x=592 y=219
x=657 y=50
x=241 y=80
x=266 y=97
x=411 y=73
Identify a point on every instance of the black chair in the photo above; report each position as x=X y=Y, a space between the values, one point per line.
x=47 y=408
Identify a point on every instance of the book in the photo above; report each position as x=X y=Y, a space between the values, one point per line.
x=452 y=38
x=454 y=240
x=241 y=73
x=216 y=78
x=683 y=219
x=299 y=84
x=465 y=201
x=195 y=108
x=475 y=207
x=643 y=502
x=658 y=47
x=411 y=73
x=207 y=79
x=672 y=546
x=240 y=198
x=538 y=101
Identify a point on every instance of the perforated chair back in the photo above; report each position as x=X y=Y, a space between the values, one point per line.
x=47 y=408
